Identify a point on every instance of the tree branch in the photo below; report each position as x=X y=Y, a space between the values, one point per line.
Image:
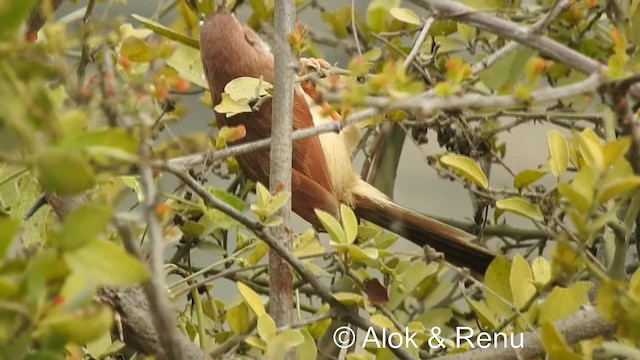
x=585 y=324
x=155 y=289
x=513 y=31
x=280 y=275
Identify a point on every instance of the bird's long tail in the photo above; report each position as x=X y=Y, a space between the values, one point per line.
x=454 y=243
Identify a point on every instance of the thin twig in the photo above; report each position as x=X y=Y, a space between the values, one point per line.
x=383 y=104
x=342 y=312
x=354 y=28
x=419 y=41
x=155 y=289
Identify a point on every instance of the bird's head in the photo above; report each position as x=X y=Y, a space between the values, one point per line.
x=230 y=50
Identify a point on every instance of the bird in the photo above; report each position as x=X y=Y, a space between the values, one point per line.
x=322 y=176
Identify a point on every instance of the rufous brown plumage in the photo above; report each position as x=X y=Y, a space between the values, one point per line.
x=322 y=176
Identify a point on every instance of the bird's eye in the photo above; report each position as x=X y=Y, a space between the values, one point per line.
x=250 y=40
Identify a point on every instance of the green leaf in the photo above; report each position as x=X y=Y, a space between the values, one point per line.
x=238 y=318
x=82 y=225
x=266 y=327
x=405 y=15
x=521 y=281
x=167 y=32
x=466 y=32
x=377 y=14
x=252 y=299
x=558 y=152
x=408 y=280
x=80 y=326
x=8 y=229
x=105 y=263
x=448 y=45
x=466 y=167
x=13 y=13
x=77 y=292
x=615 y=187
x=349 y=223
x=506 y=72
x=227 y=197
x=528 y=176
x=338 y=20
x=563 y=302
x=332 y=226
x=521 y=206
x=54 y=166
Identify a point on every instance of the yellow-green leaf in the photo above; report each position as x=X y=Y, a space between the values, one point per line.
x=83 y=224
x=8 y=229
x=348 y=298
x=332 y=226
x=364 y=255
x=266 y=327
x=80 y=326
x=383 y=321
x=128 y=30
x=616 y=187
x=563 y=302
x=238 y=318
x=54 y=166
x=615 y=150
x=558 y=152
x=349 y=223
x=308 y=349
x=485 y=315
x=95 y=260
x=521 y=206
x=541 y=271
x=278 y=347
x=497 y=279
x=252 y=299
x=521 y=281
x=231 y=107
x=578 y=200
x=466 y=167
x=466 y=32
x=247 y=88
x=186 y=61
x=136 y=49
x=527 y=177
x=591 y=149
x=405 y=15
x=167 y=32
x=554 y=344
